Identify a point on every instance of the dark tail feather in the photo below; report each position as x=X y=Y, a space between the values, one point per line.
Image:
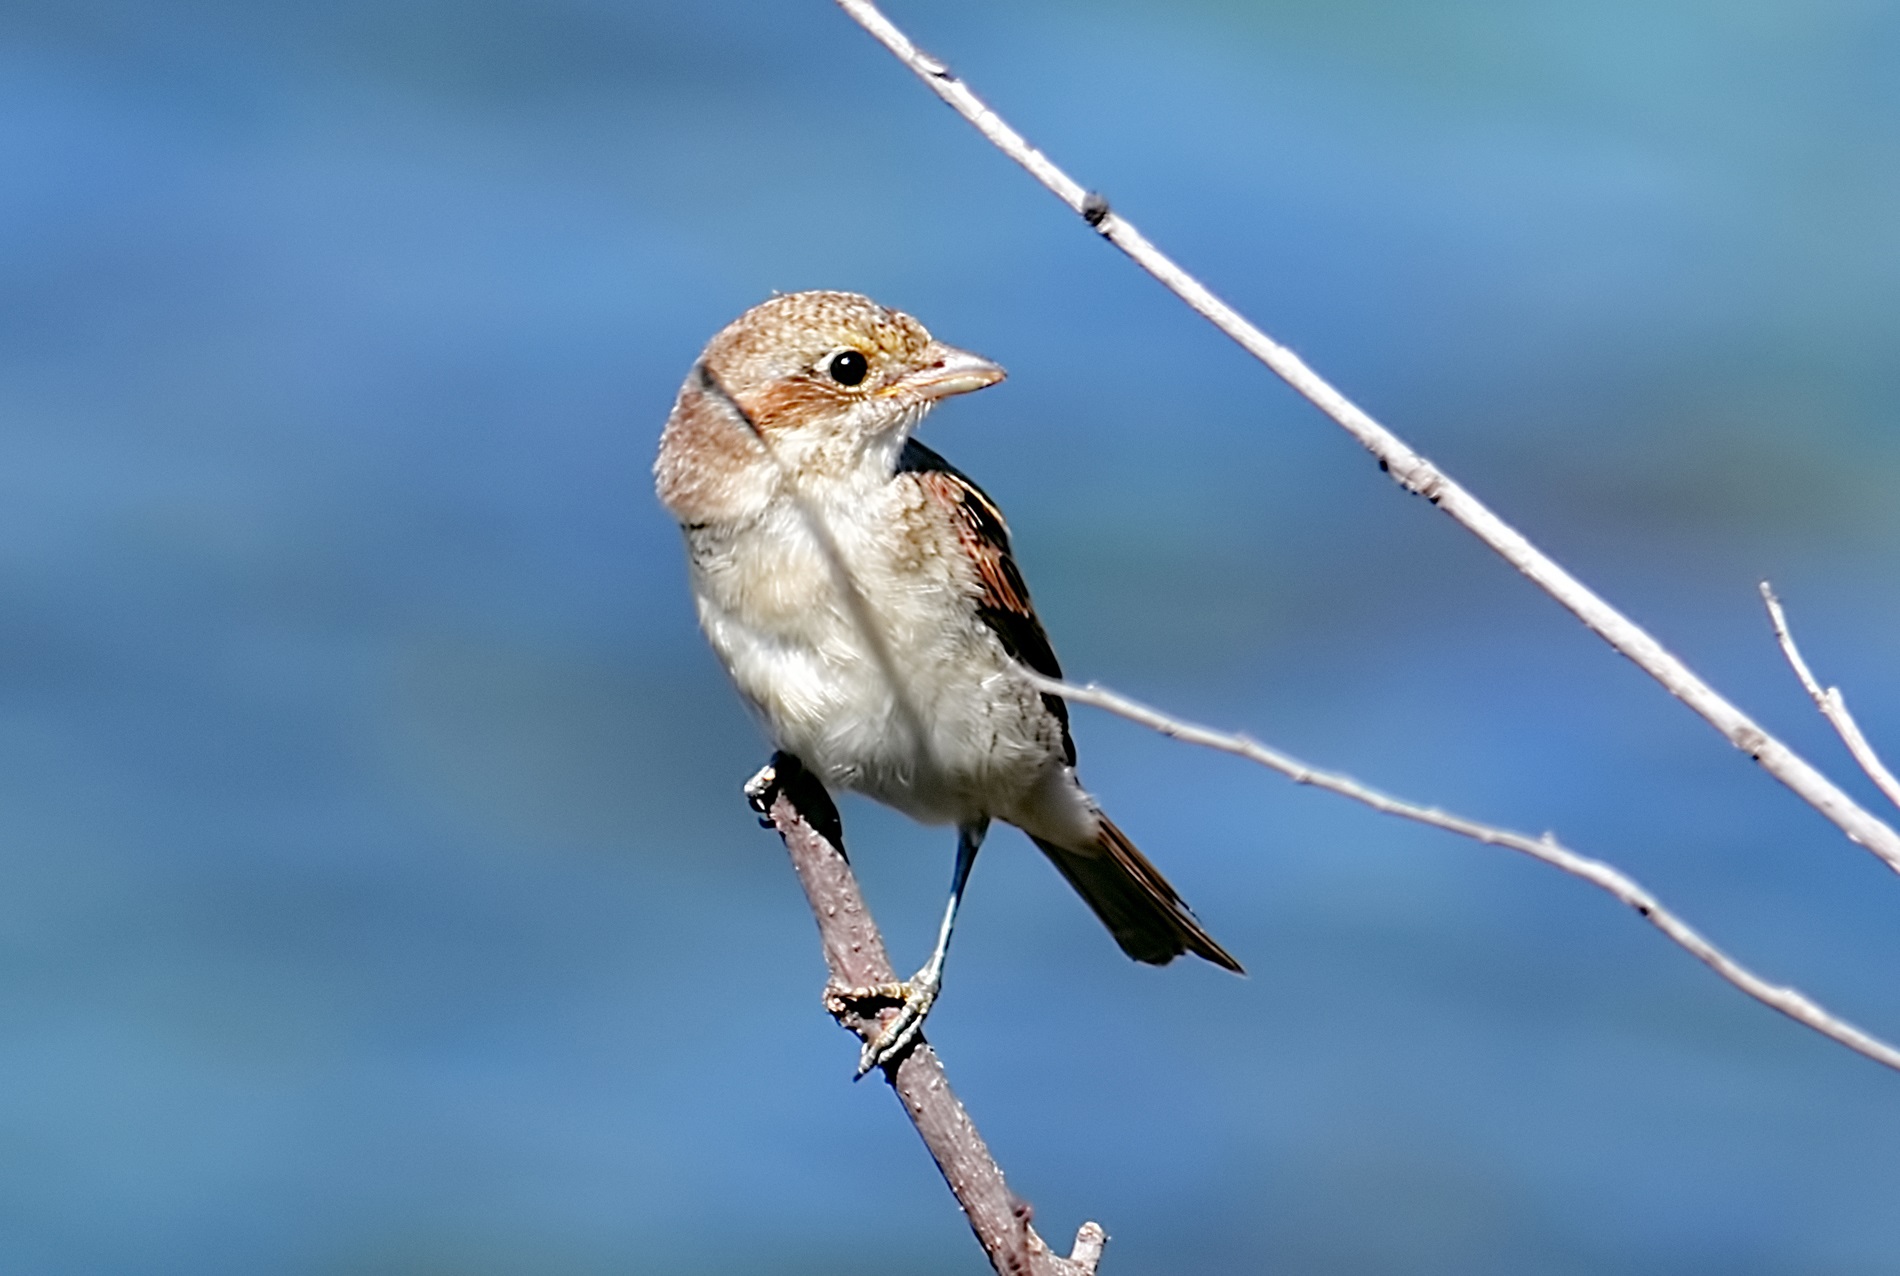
x=1134 y=901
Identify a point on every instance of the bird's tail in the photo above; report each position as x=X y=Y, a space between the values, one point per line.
x=1134 y=901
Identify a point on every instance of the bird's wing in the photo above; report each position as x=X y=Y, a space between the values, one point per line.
x=1002 y=598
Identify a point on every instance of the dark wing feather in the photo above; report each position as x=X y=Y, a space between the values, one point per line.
x=1141 y=910
x=1127 y=892
x=1003 y=600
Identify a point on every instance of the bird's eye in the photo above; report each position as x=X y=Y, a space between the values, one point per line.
x=848 y=367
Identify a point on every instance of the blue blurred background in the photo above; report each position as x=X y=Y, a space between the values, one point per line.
x=376 y=895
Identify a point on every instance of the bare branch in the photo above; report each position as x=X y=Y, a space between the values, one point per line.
x=1413 y=472
x=856 y=605
x=793 y=801
x=1546 y=848
x=1831 y=703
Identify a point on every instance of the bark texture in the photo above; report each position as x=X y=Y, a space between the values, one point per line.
x=791 y=800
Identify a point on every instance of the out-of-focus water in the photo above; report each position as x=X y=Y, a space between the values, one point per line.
x=375 y=890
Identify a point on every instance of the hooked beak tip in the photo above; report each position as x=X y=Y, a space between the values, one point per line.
x=952 y=371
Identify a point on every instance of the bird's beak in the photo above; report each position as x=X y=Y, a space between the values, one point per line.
x=945 y=371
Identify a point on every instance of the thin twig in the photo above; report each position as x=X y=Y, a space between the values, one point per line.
x=1831 y=703
x=1546 y=848
x=856 y=605
x=796 y=804
x=1412 y=471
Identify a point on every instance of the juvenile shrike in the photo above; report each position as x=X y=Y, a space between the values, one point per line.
x=861 y=593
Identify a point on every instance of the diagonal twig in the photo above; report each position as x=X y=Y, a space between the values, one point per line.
x=1831 y=703
x=850 y=594
x=1412 y=471
x=1547 y=849
x=792 y=800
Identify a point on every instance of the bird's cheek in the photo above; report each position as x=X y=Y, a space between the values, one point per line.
x=897 y=414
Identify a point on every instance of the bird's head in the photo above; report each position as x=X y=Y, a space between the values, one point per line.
x=837 y=364
x=827 y=380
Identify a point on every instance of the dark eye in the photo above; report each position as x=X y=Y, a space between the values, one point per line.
x=848 y=367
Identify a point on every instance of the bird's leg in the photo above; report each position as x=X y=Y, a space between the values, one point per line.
x=919 y=993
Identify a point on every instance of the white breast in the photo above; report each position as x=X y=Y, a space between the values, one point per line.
x=852 y=708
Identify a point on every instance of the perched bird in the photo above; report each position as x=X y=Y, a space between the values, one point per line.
x=861 y=593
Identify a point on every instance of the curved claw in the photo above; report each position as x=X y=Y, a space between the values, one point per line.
x=913 y=998
x=761 y=789
x=919 y=995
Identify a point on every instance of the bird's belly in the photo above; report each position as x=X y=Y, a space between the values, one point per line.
x=938 y=724
x=983 y=754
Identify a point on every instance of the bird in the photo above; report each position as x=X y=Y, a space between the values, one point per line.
x=861 y=592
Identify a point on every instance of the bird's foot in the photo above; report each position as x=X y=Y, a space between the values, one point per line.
x=913 y=998
x=761 y=790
